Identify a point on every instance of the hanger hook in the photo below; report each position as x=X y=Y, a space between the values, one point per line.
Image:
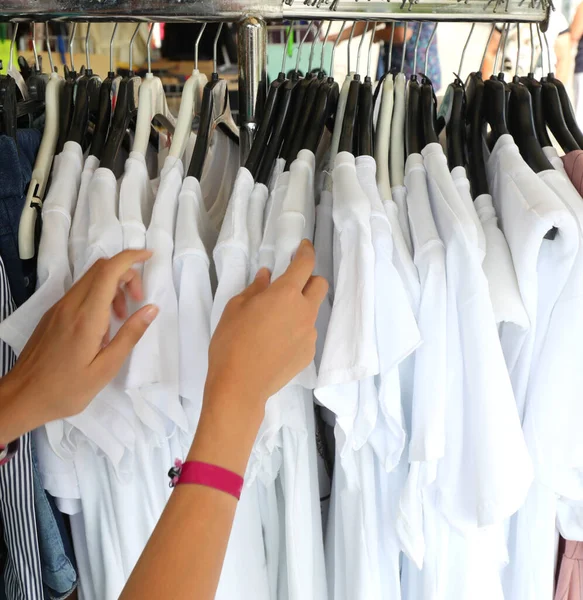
x=301 y=44
x=360 y=46
x=498 y=50
x=391 y=45
x=71 y=42
x=111 y=48
x=12 y=43
x=374 y=30
x=33 y=40
x=87 y=40
x=487 y=44
x=464 y=50
x=316 y=37
x=416 y=48
x=517 y=48
x=215 y=44
x=196 y=43
x=540 y=41
x=428 y=46
x=148 y=49
x=505 y=40
x=531 y=72
x=349 y=44
x=548 y=52
x=324 y=46
x=49 y=51
x=287 y=38
x=404 y=49
x=334 y=46
x=132 y=47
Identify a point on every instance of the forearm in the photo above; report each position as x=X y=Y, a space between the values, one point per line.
x=184 y=556
x=19 y=413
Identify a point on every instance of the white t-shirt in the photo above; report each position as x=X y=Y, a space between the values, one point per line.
x=80 y=224
x=194 y=241
x=528 y=209
x=349 y=364
x=426 y=399
x=272 y=211
x=484 y=440
x=244 y=573
x=397 y=337
x=399 y=193
x=152 y=380
x=499 y=268
x=486 y=471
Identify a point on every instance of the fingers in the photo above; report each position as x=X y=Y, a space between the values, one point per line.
x=260 y=283
x=301 y=267
x=316 y=290
x=109 y=274
x=119 y=305
x=110 y=359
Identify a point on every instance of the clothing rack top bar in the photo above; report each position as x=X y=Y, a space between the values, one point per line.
x=236 y=10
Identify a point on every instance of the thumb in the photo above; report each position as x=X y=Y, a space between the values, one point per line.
x=260 y=283
x=109 y=360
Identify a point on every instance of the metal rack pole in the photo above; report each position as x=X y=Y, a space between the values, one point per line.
x=252 y=40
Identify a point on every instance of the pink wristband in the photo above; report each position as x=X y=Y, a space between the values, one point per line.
x=201 y=473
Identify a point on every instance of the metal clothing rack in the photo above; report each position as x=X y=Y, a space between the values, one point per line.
x=251 y=17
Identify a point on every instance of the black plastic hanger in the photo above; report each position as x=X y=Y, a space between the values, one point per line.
x=262 y=136
x=521 y=121
x=270 y=111
x=366 y=108
x=206 y=118
x=349 y=121
x=324 y=108
x=86 y=101
x=475 y=89
x=553 y=113
x=414 y=143
x=125 y=111
x=428 y=105
x=204 y=128
x=8 y=102
x=568 y=112
x=103 y=118
x=281 y=124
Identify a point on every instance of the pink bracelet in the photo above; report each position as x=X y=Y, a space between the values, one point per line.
x=7 y=452
x=201 y=473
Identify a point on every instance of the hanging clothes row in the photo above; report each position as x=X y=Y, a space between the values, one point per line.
x=431 y=450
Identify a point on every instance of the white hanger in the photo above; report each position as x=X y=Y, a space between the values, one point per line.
x=397 y=142
x=43 y=162
x=151 y=103
x=383 y=133
x=189 y=105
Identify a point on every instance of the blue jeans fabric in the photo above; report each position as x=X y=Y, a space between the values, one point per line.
x=57 y=557
x=16 y=164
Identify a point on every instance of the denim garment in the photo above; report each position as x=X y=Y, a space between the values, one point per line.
x=433 y=66
x=16 y=164
x=58 y=563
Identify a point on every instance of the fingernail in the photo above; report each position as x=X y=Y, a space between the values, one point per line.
x=304 y=245
x=150 y=313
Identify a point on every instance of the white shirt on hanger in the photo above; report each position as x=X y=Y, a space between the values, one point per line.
x=349 y=358
x=528 y=209
x=80 y=223
x=244 y=573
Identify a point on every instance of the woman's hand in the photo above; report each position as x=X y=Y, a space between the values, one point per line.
x=70 y=357
x=265 y=337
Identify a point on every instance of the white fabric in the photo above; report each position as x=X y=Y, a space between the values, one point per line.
x=397 y=336
x=425 y=398
x=80 y=224
x=272 y=212
x=499 y=269
x=152 y=380
x=345 y=382
x=194 y=241
x=528 y=209
x=399 y=194
x=244 y=573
